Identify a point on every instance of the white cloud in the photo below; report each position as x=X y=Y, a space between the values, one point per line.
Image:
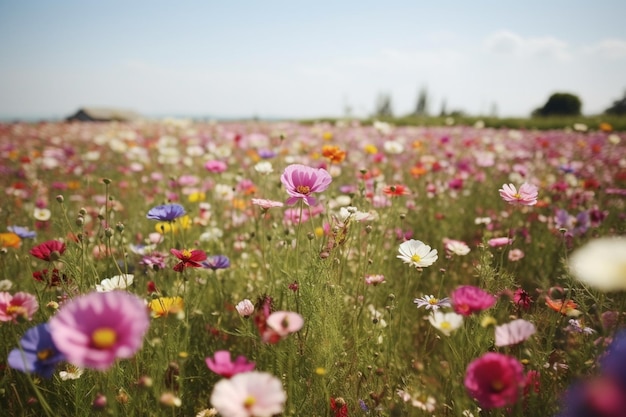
x=508 y=43
x=608 y=48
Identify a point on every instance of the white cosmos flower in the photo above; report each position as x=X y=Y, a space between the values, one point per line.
x=264 y=167
x=118 y=282
x=446 y=323
x=416 y=253
x=456 y=247
x=514 y=332
x=249 y=394
x=601 y=263
x=42 y=214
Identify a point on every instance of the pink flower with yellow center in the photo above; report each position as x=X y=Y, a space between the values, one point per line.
x=526 y=196
x=95 y=329
x=20 y=306
x=301 y=181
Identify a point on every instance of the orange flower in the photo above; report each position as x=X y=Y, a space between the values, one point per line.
x=333 y=153
x=561 y=306
x=606 y=127
x=418 y=171
x=10 y=240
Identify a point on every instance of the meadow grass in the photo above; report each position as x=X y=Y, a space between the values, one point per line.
x=367 y=346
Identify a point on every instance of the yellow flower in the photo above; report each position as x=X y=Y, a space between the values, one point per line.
x=163 y=306
x=327 y=135
x=196 y=196
x=174 y=226
x=371 y=149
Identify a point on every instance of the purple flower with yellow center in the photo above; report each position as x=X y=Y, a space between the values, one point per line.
x=37 y=352
x=216 y=262
x=95 y=329
x=166 y=212
x=301 y=181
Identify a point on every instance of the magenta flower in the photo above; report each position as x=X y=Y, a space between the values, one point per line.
x=301 y=181
x=216 y=167
x=468 y=299
x=48 y=251
x=494 y=380
x=93 y=330
x=222 y=364
x=526 y=196
x=188 y=258
x=20 y=306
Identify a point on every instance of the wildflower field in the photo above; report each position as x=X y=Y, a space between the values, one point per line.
x=256 y=269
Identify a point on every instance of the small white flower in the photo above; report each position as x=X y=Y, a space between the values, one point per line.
x=456 y=247
x=416 y=253
x=264 y=167
x=446 y=323
x=514 y=332
x=393 y=147
x=42 y=214
x=5 y=285
x=118 y=282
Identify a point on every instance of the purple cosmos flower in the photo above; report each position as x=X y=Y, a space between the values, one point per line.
x=166 y=212
x=22 y=232
x=94 y=330
x=216 y=262
x=222 y=364
x=37 y=352
x=301 y=181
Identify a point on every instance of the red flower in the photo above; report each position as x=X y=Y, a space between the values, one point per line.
x=188 y=258
x=52 y=278
x=339 y=407
x=48 y=251
x=395 y=190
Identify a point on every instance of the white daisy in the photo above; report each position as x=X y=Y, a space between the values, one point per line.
x=416 y=253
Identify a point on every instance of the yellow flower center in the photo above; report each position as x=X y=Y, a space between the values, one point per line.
x=433 y=301
x=18 y=311
x=103 y=338
x=445 y=325
x=497 y=385
x=303 y=189
x=42 y=355
x=186 y=253
x=416 y=258
x=517 y=196
x=249 y=401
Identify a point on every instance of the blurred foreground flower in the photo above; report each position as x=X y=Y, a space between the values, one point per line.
x=301 y=181
x=222 y=364
x=94 y=330
x=249 y=394
x=494 y=380
x=416 y=253
x=37 y=352
x=601 y=263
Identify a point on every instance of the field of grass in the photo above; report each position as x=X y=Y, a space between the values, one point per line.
x=170 y=217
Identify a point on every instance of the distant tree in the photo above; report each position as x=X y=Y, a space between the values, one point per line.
x=383 y=106
x=618 y=108
x=493 y=112
x=444 y=111
x=421 y=108
x=560 y=104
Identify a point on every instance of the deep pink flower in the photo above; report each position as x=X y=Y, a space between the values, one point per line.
x=468 y=299
x=188 y=258
x=526 y=196
x=495 y=380
x=48 y=251
x=222 y=364
x=301 y=181
x=93 y=330
x=21 y=305
x=522 y=299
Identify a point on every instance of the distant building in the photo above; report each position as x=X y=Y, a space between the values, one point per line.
x=103 y=114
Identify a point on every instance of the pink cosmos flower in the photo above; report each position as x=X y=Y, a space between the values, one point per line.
x=245 y=308
x=301 y=181
x=526 y=196
x=285 y=322
x=374 y=279
x=215 y=167
x=21 y=305
x=95 y=329
x=266 y=204
x=222 y=365
x=494 y=380
x=249 y=394
x=497 y=242
x=48 y=251
x=468 y=299
x=514 y=332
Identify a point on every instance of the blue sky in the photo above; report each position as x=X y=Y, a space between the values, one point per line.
x=307 y=59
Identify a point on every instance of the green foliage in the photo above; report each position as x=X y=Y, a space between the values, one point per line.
x=618 y=107
x=560 y=104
